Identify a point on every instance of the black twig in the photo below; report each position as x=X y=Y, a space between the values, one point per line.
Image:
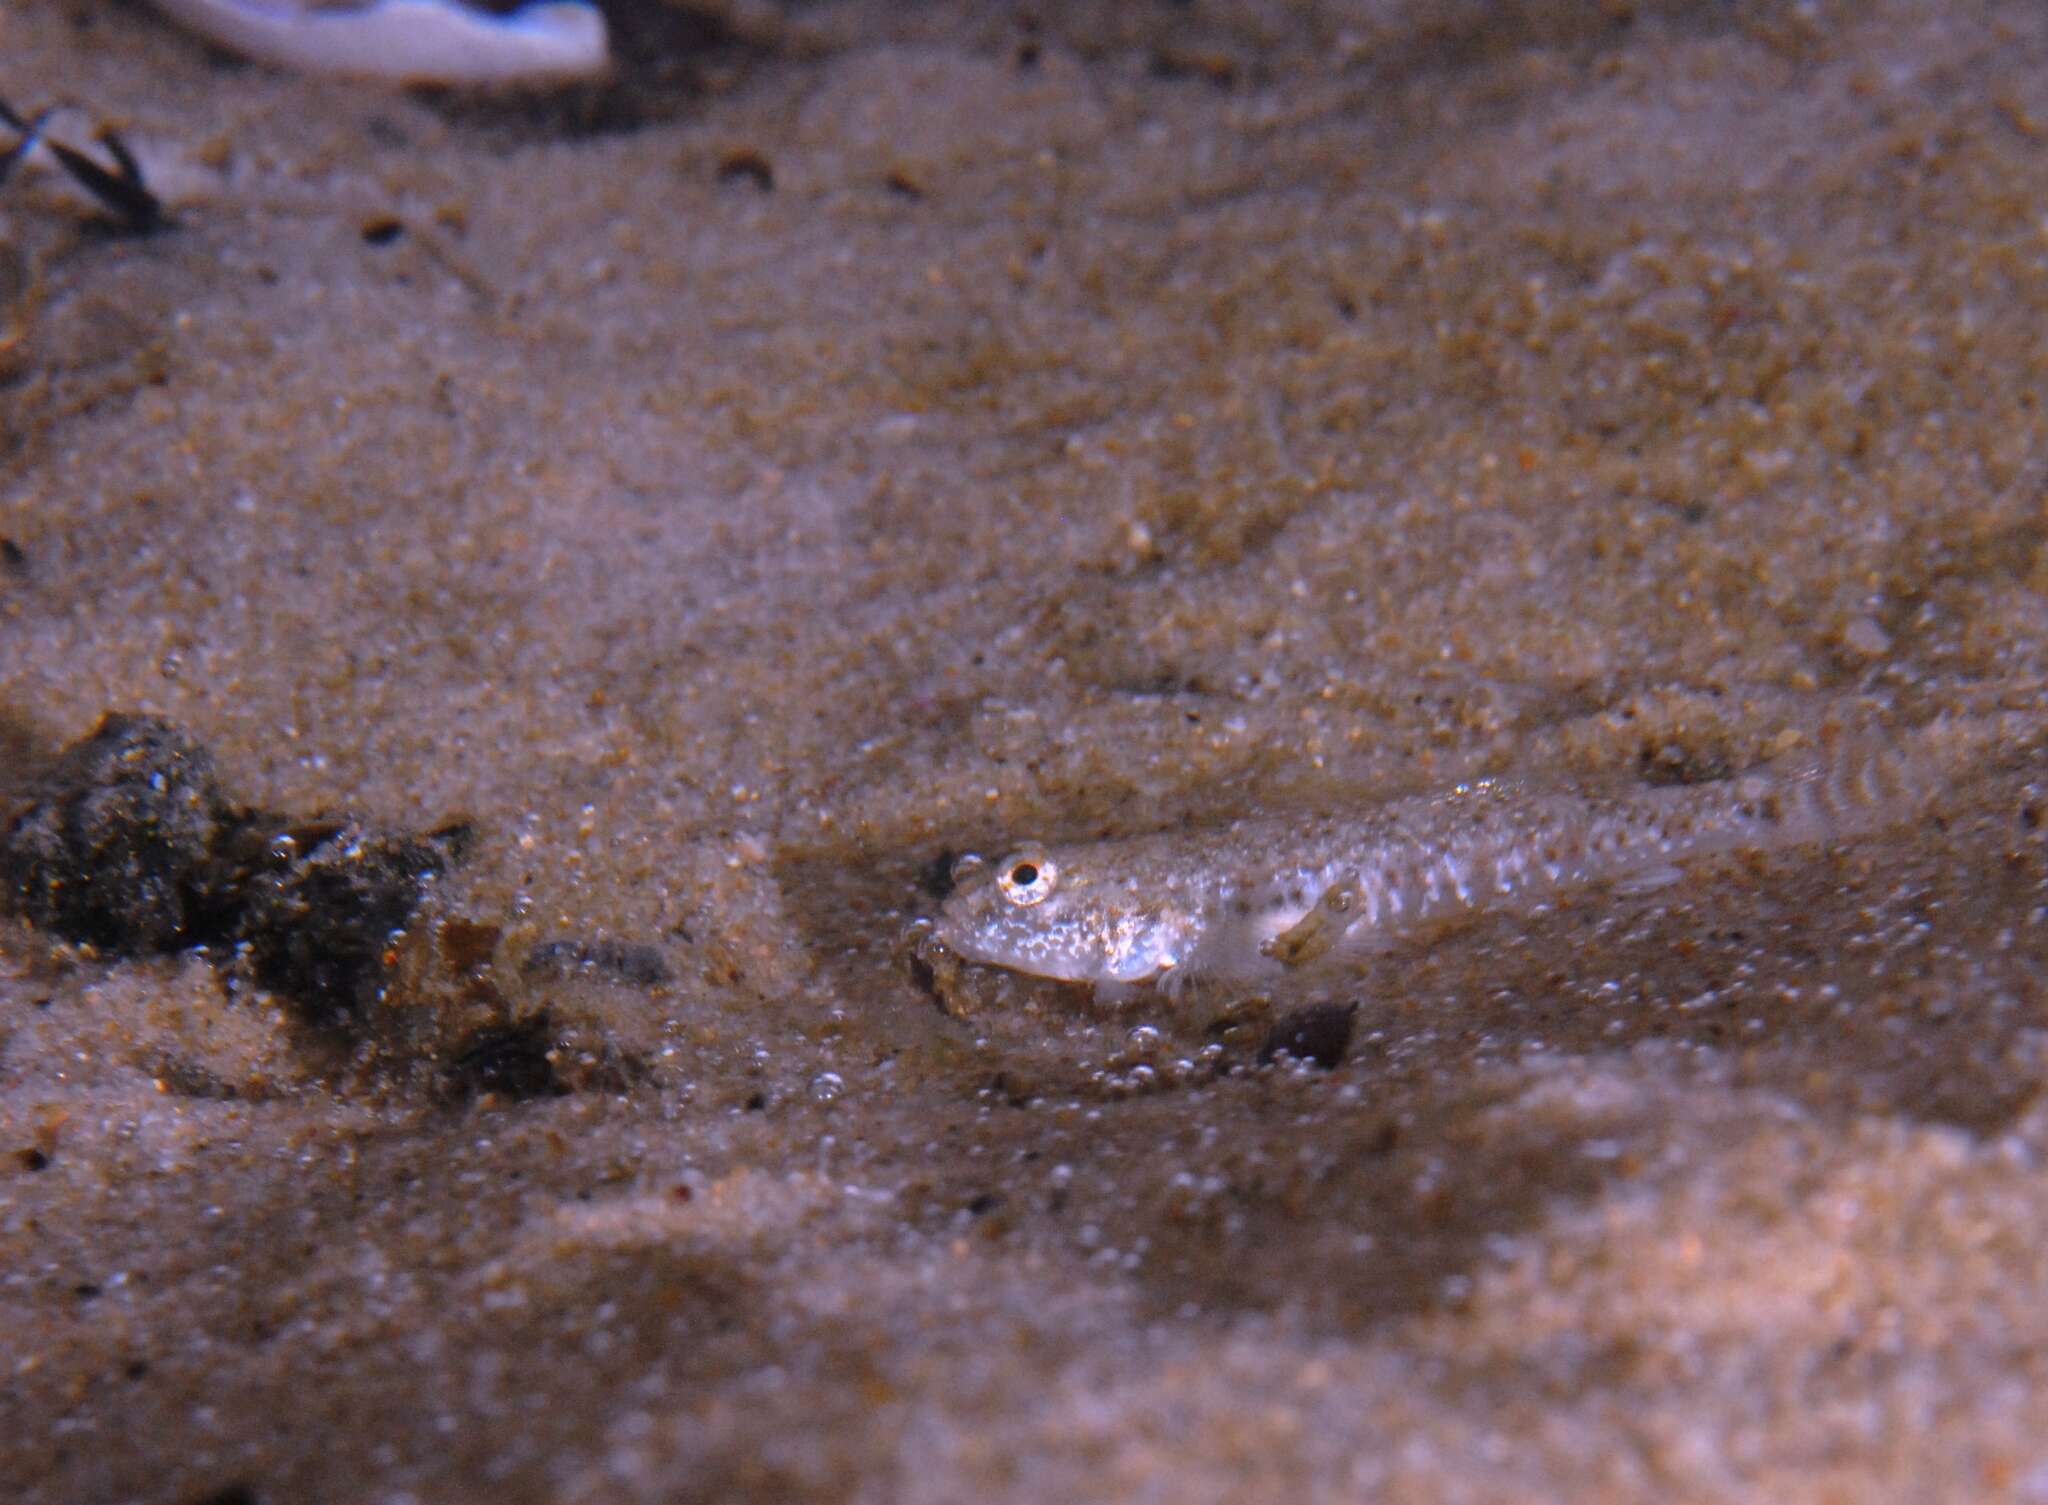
x=122 y=192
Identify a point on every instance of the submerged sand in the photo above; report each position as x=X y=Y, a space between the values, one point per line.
x=888 y=432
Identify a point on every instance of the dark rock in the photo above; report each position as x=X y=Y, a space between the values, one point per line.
x=1320 y=1033
x=129 y=844
x=117 y=847
x=317 y=930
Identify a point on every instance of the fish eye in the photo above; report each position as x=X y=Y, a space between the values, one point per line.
x=1027 y=877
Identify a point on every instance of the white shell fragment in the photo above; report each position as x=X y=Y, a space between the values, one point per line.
x=407 y=41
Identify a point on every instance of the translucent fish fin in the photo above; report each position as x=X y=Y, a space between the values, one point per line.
x=1318 y=932
x=1230 y=950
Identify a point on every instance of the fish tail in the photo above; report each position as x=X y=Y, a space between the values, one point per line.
x=1870 y=781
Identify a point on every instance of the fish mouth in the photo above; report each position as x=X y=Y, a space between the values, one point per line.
x=1164 y=980
x=920 y=941
x=927 y=941
x=933 y=964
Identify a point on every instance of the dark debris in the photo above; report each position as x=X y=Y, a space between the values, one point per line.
x=622 y=961
x=130 y=845
x=747 y=165
x=513 y=1059
x=230 y=1494
x=119 y=189
x=936 y=876
x=1319 y=1034
x=544 y=1052
x=319 y=929
x=382 y=229
x=118 y=849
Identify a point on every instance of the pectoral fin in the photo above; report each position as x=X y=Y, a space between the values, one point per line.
x=1316 y=933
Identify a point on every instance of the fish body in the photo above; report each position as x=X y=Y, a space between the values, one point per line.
x=1256 y=900
x=408 y=41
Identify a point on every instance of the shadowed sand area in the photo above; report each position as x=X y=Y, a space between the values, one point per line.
x=630 y=541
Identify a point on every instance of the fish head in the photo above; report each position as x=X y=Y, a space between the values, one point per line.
x=1063 y=914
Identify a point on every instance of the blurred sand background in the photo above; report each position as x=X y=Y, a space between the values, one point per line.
x=864 y=433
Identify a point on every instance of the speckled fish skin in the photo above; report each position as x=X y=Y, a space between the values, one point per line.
x=1256 y=900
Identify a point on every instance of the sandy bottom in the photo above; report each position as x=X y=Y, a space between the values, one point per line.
x=689 y=513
